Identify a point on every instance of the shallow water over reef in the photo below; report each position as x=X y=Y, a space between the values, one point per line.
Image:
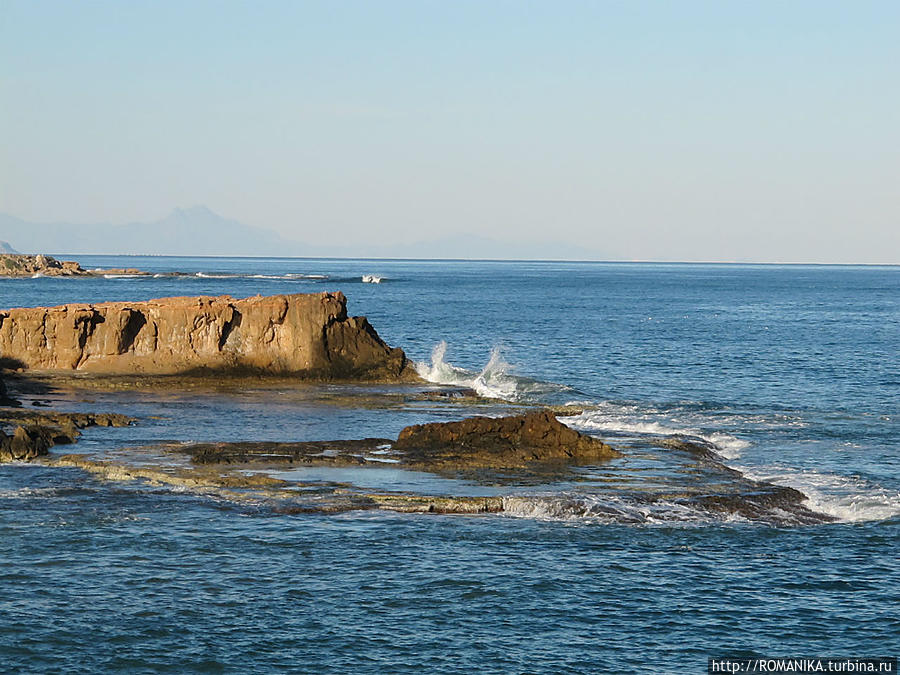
x=647 y=563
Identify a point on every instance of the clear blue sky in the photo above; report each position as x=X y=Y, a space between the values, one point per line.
x=684 y=130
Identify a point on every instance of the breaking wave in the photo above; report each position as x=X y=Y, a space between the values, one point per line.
x=773 y=509
x=495 y=380
x=606 y=509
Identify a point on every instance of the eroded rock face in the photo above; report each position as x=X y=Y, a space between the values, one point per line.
x=503 y=442
x=309 y=335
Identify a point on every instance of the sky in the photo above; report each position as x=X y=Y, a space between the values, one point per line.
x=689 y=130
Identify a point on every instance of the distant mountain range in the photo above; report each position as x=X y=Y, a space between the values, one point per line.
x=192 y=231
x=199 y=231
x=6 y=248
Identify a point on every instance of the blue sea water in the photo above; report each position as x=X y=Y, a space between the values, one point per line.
x=791 y=372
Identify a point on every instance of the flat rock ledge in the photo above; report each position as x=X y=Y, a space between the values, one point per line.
x=513 y=442
x=308 y=336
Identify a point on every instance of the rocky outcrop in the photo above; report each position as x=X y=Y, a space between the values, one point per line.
x=307 y=335
x=30 y=435
x=501 y=442
x=19 y=265
x=474 y=443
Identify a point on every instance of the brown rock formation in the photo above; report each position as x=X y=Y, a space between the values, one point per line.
x=503 y=442
x=309 y=335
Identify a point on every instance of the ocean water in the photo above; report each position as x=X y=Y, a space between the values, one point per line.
x=787 y=375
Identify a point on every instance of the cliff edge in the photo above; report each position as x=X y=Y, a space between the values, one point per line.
x=306 y=335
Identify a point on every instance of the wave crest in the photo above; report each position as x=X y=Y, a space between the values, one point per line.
x=495 y=380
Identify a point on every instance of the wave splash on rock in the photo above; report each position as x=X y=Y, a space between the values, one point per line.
x=495 y=380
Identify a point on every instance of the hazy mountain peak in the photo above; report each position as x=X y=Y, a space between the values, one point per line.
x=6 y=248
x=196 y=211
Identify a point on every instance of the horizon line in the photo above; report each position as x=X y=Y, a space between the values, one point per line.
x=493 y=260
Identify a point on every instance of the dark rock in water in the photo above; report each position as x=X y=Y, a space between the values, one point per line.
x=695 y=446
x=25 y=444
x=703 y=450
x=34 y=433
x=4 y=397
x=764 y=501
x=502 y=442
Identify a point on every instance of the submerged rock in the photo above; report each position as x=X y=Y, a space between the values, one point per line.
x=306 y=335
x=306 y=452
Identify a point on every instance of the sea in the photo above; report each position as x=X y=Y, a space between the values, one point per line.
x=788 y=376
